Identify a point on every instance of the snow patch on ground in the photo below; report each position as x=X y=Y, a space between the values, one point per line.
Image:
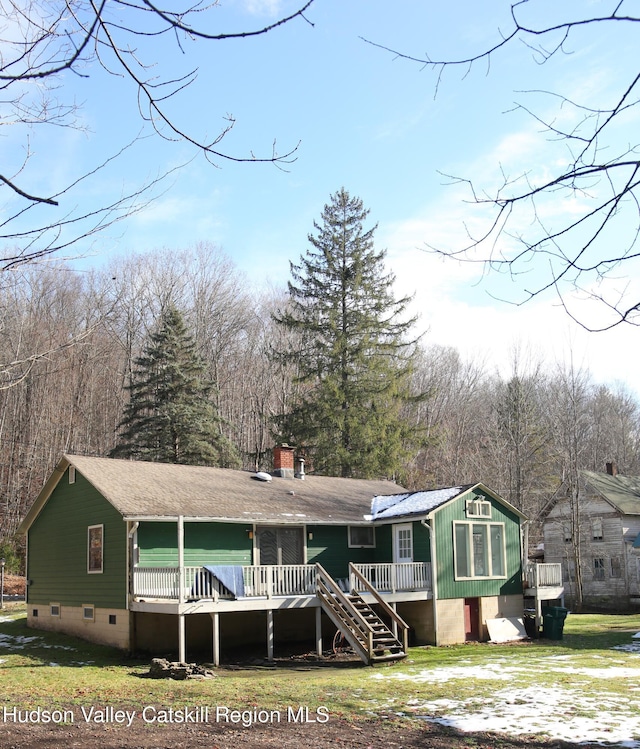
x=633 y=647
x=558 y=712
x=491 y=671
x=16 y=642
x=19 y=642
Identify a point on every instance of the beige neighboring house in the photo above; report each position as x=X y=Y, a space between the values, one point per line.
x=596 y=538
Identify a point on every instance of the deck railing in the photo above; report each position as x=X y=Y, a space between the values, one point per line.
x=543 y=575
x=280 y=580
x=266 y=581
x=389 y=577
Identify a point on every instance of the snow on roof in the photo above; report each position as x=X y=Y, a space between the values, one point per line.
x=412 y=503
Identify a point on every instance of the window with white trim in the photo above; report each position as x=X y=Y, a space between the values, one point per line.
x=95 y=539
x=479 y=550
x=361 y=537
x=478 y=508
x=54 y=609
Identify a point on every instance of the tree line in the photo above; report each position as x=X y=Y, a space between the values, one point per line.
x=331 y=364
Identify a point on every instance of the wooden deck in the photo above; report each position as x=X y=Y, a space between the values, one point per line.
x=543 y=582
x=177 y=589
x=184 y=591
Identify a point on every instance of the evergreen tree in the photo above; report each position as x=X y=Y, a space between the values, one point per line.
x=352 y=353
x=170 y=417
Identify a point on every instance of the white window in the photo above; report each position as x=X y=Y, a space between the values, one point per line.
x=403 y=544
x=478 y=508
x=55 y=609
x=95 y=538
x=72 y=474
x=361 y=536
x=479 y=550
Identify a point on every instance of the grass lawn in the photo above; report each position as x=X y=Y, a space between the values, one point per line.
x=48 y=669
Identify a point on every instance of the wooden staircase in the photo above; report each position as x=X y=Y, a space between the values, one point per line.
x=362 y=627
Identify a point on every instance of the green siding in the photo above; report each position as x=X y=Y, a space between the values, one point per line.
x=448 y=587
x=421 y=543
x=330 y=547
x=204 y=543
x=384 y=544
x=57 y=564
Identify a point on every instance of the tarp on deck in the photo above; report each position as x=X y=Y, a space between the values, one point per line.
x=230 y=576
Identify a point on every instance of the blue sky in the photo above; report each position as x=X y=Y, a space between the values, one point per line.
x=365 y=121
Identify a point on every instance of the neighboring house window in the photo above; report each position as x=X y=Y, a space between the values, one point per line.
x=616 y=567
x=95 y=548
x=55 y=609
x=479 y=550
x=478 y=508
x=569 y=570
x=361 y=536
x=566 y=530
x=88 y=613
x=598 y=568
x=596 y=529
x=72 y=474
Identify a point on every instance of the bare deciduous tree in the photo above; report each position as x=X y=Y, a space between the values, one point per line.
x=44 y=42
x=586 y=251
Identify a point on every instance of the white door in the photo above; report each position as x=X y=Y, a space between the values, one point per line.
x=403 y=554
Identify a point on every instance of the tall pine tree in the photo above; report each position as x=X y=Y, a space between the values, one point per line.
x=170 y=417
x=353 y=355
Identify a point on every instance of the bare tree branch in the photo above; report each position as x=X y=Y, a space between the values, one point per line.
x=43 y=39
x=578 y=251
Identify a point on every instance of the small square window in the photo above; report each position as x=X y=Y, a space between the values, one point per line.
x=55 y=609
x=112 y=618
x=34 y=613
x=88 y=613
x=361 y=536
x=478 y=508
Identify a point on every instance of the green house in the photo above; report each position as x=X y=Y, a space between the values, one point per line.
x=163 y=558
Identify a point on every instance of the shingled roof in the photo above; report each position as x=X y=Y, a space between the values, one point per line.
x=141 y=490
x=623 y=492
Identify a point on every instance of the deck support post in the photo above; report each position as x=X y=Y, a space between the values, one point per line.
x=270 y=634
x=215 y=620
x=182 y=639
x=319 y=632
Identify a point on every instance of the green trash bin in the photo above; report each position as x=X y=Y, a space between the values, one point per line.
x=553 y=622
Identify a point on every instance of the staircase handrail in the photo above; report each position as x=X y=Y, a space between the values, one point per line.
x=328 y=584
x=391 y=612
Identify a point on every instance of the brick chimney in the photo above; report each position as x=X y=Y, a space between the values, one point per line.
x=612 y=469
x=283 y=461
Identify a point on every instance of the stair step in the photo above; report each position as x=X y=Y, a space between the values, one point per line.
x=388 y=657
